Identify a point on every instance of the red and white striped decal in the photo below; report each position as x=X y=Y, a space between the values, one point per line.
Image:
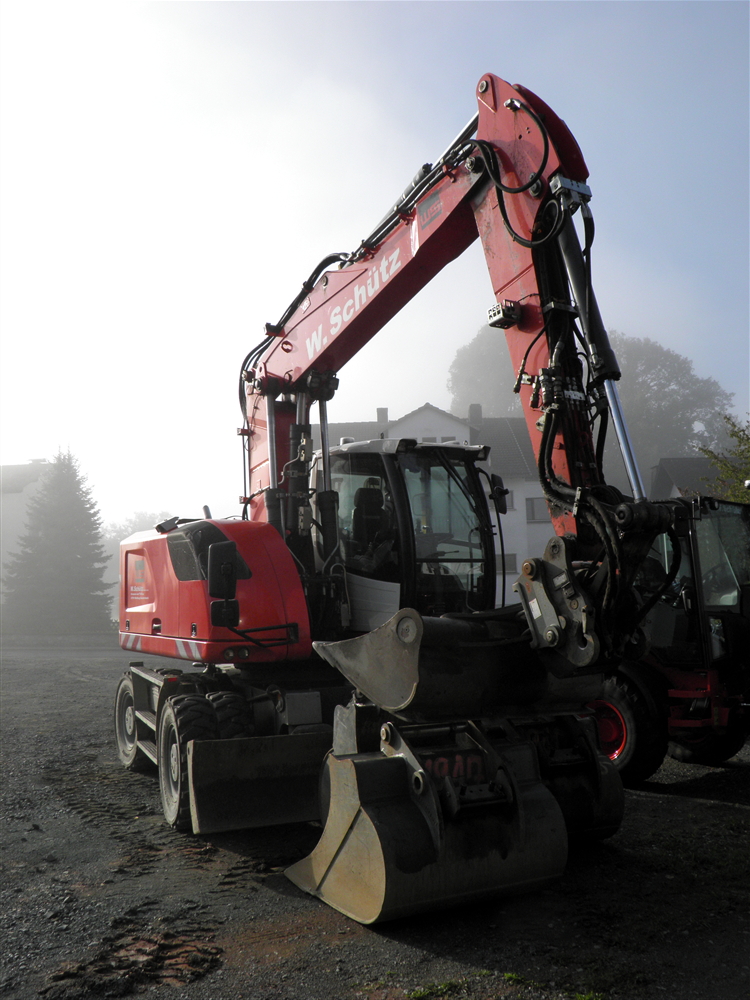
x=187 y=650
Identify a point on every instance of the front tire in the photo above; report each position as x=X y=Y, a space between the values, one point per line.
x=632 y=724
x=184 y=718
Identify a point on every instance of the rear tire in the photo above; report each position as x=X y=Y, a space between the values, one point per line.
x=130 y=754
x=184 y=718
x=632 y=724
x=711 y=748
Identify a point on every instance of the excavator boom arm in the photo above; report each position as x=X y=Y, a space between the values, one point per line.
x=514 y=185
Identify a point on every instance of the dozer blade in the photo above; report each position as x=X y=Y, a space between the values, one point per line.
x=256 y=781
x=391 y=847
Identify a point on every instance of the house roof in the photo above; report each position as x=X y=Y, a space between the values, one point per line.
x=511 y=454
x=432 y=409
x=360 y=430
x=687 y=475
x=15 y=478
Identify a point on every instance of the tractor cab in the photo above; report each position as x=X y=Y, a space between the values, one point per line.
x=709 y=600
x=699 y=630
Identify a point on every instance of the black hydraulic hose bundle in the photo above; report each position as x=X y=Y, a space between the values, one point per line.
x=595 y=514
x=274 y=329
x=493 y=170
x=670 y=578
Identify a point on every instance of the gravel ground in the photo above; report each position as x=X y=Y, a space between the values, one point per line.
x=100 y=899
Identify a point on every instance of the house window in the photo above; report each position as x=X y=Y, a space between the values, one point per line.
x=509 y=500
x=536 y=509
x=511 y=562
x=432 y=440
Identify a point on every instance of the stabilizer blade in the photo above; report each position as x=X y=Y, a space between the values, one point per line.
x=256 y=781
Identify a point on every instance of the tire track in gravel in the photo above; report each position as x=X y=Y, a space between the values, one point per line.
x=169 y=949
x=152 y=944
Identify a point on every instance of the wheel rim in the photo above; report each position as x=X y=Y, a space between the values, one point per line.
x=613 y=730
x=129 y=721
x=174 y=765
x=126 y=720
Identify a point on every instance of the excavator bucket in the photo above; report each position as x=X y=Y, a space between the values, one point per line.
x=255 y=782
x=391 y=847
x=427 y=807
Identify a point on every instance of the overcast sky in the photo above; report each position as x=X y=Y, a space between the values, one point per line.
x=171 y=172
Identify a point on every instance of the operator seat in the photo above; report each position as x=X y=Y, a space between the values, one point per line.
x=368 y=516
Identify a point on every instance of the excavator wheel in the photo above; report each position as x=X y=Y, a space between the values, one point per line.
x=184 y=718
x=711 y=748
x=632 y=725
x=130 y=754
x=232 y=714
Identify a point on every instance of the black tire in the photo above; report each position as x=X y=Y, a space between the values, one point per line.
x=130 y=754
x=632 y=723
x=708 y=747
x=232 y=714
x=184 y=718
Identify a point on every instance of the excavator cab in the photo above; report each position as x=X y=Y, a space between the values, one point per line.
x=414 y=529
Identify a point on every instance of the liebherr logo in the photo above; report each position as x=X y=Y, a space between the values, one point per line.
x=341 y=315
x=429 y=209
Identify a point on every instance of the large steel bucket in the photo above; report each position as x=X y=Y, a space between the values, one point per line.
x=399 y=840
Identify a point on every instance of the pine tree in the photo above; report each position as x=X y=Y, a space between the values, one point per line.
x=54 y=582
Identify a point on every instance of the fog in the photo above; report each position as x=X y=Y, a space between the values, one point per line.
x=172 y=172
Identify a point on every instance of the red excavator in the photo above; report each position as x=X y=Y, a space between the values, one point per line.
x=348 y=661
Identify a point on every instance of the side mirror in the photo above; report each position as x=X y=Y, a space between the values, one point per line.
x=222 y=570
x=499 y=493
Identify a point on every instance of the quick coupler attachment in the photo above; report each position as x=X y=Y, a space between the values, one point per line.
x=423 y=669
x=421 y=817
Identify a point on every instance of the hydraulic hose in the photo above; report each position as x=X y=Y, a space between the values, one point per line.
x=491 y=157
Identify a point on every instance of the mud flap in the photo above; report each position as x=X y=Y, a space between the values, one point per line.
x=256 y=781
x=391 y=848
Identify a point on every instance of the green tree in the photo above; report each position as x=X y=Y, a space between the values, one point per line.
x=671 y=411
x=733 y=463
x=54 y=582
